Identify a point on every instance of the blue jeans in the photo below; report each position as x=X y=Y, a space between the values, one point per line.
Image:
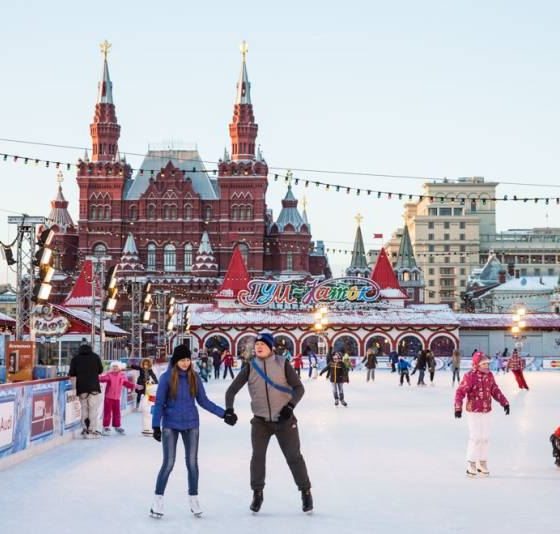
x=169 y=438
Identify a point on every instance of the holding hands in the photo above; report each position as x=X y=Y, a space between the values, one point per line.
x=230 y=417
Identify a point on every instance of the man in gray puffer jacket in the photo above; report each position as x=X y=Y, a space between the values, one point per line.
x=275 y=389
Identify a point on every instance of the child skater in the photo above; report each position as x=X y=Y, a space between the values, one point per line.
x=555 y=440
x=337 y=372
x=175 y=414
x=298 y=364
x=115 y=380
x=146 y=376
x=456 y=366
x=403 y=366
x=479 y=386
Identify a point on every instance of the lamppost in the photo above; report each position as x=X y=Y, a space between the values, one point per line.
x=517 y=327
x=321 y=323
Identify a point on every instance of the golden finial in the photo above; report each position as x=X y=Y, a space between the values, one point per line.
x=59 y=177
x=244 y=49
x=359 y=218
x=105 y=47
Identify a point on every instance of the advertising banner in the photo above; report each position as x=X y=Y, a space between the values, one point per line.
x=72 y=409
x=20 y=359
x=7 y=420
x=42 y=414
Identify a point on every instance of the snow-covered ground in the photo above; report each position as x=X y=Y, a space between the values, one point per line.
x=392 y=461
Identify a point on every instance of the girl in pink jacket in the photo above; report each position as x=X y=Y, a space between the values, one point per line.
x=115 y=380
x=479 y=386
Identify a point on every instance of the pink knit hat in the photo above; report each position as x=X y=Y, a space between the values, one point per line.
x=478 y=358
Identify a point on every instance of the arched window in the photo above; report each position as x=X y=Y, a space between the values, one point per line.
x=235 y=213
x=93 y=213
x=107 y=213
x=133 y=213
x=244 y=249
x=188 y=212
x=188 y=257
x=290 y=261
x=166 y=211
x=207 y=213
x=173 y=212
x=151 y=211
x=100 y=250
x=473 y=206
x=248 y=213
x=151 y=257
x=169 y=258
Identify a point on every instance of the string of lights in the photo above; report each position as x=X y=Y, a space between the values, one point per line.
x=288 y=178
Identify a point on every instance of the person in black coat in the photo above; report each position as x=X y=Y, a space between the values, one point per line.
x=370 y=359
x=337 y=373
x=216 y=362
x=421 y=362
x=86 y=366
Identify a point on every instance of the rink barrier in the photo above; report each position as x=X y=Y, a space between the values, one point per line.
x=39 y=415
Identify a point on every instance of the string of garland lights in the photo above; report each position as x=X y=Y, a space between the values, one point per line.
x=306 y=182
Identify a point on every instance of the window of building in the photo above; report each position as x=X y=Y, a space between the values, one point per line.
x=431 y=248
x=432 y=294
x=431 y=259
x=431 y=225
x=405 y=276
x=133 y=213
x=188 y=257
x=462 y=248
x=169 y=258
x=463 y=271
x=432 y=212
x=462 y=225
x=151 y=212
x=430 y=237
x=537 y=271
x=207 y=213
x=93 y=213
x=430 y=283
x=447 y=259
x=188 y=212
x=549 y=258
x=445 y=248
x=100 y=250
x=461 y=237
x=446 y=270
x=249 y=213
x=463 y=283
x=473 y=206
x=151 y=257
x=431 y=270
x=244 y=249
x=107 y=213
x=551 y=272
x=234 y=213
x=445 y=211
x=446 y=237
x=458 y=212
x=290 y=261
x=523 y=272
x=446 y=225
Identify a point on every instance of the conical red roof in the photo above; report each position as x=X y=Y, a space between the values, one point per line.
x=80 y=295
x=383 y=274
x=237 y=277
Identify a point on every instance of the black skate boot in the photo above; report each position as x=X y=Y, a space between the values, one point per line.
x=306 y=501
x=257 y=500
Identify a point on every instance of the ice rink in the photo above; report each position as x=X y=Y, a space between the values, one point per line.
x=392 y=461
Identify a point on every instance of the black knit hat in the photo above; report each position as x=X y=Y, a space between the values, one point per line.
x=180 y=352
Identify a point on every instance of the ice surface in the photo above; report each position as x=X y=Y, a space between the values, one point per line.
x=393 y=461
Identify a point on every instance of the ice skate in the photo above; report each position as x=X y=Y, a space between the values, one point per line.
x=94 y=434
x=483 y=468
x=257 y=500
x=343 y=402
x=195 y=505
x=306 y=501
x=107 y=431
x=156 y=511
x=84 y=433
x=471 y=469
x=336 y=402
x=119 y=430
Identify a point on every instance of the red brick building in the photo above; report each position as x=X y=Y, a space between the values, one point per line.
x=172 y=201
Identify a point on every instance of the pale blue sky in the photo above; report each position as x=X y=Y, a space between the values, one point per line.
x=424 y=88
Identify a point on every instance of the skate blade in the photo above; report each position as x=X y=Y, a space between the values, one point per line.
x=484 y=475
x=471 y=475
x=196 y=514
x=155 y=515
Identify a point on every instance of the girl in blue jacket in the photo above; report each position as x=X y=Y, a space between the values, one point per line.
x=174 y=414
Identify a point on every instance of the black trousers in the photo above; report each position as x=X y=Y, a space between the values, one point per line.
x=404 y=374
x=287 y=434
x=226 y=369
x=216 y=371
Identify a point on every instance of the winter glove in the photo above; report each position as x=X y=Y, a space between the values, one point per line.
x=229 y=417
x=458 y=414
x=286 y=412
x=506 y=409
x=156 y=433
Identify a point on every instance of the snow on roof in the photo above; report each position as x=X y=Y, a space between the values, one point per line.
x=85 y=316
x=504 y=320
x=6 y=318
x=528 y=283
x=210 y=314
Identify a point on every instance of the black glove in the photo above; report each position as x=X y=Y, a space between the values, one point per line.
x=156 y=433
x=458 y=414
x=506 y=409
x=229 y=417
x=286 y=412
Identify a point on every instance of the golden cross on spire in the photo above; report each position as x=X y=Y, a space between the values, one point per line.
x=244 y=49
x=59 y=177
x=359 y=218
x=105 y=47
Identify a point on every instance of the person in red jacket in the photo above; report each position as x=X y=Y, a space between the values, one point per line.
x=555 y=440
x=516 y=364
x=298 y=364
x=479 y=386
x=227 y=360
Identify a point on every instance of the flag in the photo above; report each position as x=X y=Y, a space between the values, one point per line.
x=377 y=236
